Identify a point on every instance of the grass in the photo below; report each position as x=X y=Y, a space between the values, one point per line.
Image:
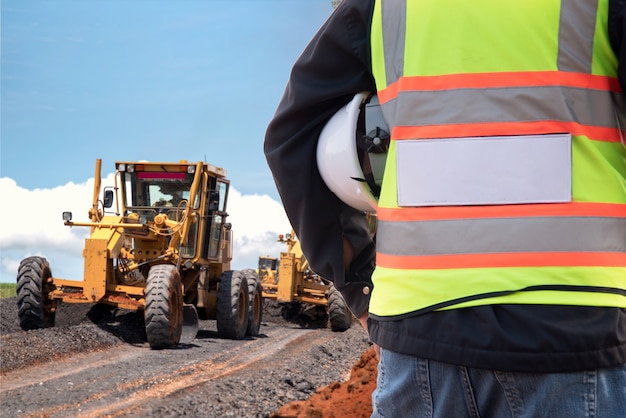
x=7 y=290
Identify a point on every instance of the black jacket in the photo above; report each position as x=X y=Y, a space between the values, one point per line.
x=334 y=66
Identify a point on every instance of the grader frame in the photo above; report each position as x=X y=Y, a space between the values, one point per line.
x=164 y=248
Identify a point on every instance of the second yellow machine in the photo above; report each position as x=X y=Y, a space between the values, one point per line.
x=291 y=280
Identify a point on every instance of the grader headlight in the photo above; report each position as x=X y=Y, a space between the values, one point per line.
x=67 y=216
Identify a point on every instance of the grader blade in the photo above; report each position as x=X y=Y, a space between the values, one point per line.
x=190 y=324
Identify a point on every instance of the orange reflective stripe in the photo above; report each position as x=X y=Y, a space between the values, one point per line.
x=388 y=94
x=505 y=128
x=503 y=211
x=498 y=80
x=560 y=259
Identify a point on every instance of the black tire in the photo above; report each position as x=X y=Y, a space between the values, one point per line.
x=163 y=313
x=339 y=314
x=33 y=307
x=232 y=308
x=255 y=297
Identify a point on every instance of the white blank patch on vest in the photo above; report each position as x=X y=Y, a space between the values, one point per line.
x=496 y=170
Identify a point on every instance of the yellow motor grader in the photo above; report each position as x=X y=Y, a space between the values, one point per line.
x=159 y=243
x=291 y=280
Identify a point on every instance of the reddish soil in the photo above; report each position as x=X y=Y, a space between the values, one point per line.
x=350 y=399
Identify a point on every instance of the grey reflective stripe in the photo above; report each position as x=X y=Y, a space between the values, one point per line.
x=394 y=37
x=576 y=32
x=589 y=107
x=502 y=235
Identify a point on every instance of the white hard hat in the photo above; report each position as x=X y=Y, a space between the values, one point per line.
x=351 y=152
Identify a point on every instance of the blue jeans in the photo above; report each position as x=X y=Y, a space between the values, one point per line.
x=414 y=387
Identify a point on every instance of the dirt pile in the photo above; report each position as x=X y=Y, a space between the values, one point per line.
x=349 y=399
x=80 y=328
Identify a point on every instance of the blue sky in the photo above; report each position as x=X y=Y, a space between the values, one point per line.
x=138 y=80
x=145 y=79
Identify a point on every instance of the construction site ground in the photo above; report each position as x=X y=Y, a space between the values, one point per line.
x=97 y=363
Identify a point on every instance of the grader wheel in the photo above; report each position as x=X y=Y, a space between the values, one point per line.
x=255 y=297
x=232 y=307
x=34 y=309
x=164 y=307
x=339 y=314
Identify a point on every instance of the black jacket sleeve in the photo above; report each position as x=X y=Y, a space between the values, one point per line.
x=617 y=36
x=334 y=66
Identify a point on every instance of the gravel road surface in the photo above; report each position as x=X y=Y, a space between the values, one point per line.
x=97 y=363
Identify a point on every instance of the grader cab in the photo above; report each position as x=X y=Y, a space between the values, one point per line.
x=159 y=243
x=290 y=280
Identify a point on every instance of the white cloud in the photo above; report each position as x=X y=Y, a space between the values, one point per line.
x=33 y=226
x=257 y=220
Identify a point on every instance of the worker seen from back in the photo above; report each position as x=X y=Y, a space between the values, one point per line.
x=495 y=285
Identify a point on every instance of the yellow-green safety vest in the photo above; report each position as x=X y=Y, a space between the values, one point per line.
x=485 y=88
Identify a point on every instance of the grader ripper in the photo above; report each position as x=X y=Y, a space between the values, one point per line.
x=290 y=280
x=164 y=249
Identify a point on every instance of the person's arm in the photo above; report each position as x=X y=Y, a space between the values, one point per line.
x=332 y=69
